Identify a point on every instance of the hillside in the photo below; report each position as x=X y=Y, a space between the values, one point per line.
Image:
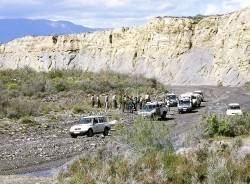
x=175 y=51
x=16 y=28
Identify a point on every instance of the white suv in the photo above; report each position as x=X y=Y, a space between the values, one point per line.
x=153 y=109
x=194 y=97
x=233 y=109
x=89 y=126
x=200 y=93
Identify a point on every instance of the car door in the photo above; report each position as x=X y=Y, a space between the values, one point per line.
x=95 y=125
x=102 y=122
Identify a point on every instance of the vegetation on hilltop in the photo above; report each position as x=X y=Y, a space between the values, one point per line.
x=197 y=18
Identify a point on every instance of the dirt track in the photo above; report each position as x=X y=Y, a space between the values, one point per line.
x=30 y=152
x=216 y=101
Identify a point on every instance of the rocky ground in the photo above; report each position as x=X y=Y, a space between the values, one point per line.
x=34 y=154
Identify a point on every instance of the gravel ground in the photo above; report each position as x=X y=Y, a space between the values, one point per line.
x=31 y=150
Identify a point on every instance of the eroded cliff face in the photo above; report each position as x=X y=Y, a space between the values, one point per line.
x=175 y=51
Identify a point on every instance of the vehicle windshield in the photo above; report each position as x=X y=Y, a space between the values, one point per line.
x=200 y=93
x=181 y=102
x=233 y=107
x=172 y=97
x=85 y=121
x=148 y=107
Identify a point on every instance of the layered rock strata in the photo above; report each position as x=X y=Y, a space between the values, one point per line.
x=175 y=51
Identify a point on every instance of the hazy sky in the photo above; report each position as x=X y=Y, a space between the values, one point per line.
x=114 y=13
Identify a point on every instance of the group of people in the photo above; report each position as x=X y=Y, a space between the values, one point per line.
x=123 y=102
x=98 y=100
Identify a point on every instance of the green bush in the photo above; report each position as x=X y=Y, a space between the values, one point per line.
x=247 y=84
x=28 y=121
x=78 y=109
x=145 y=134
x=55 y=73
x=12 y=86
x=115 y=116
x=33 y=87
x=61 y=86
x=18 y=108
x=227 y=125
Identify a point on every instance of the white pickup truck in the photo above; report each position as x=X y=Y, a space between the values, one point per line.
x=154 y=109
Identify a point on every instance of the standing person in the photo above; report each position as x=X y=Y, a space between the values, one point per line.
x=92 y=100
x=140 y=101
x=124 y=102
x=135 y=103
x=114 y=98
x=143 y=103
x=130 y=105
x=107 y=101
x=98 y=101
x=168 y=103
x=120 y=102
x=147 y=97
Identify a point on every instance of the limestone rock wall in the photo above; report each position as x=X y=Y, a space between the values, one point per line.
x=175 y=51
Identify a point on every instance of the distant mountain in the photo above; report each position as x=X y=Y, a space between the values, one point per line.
x=16 y=28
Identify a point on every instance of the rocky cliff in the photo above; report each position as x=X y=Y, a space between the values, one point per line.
x=176 y=51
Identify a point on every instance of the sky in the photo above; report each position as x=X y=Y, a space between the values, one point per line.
x=114 y=13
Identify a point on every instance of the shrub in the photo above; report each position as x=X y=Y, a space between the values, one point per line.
x=115 y=116
x=219 y=83
x=54 y=73
x=61 y=86
x=247 y=84
x=18 y=108
x=227 y=125
x=78 y=109
x=12 y=86
x=145 y=134
x=28 y=121
x=33 y=87
x=211 y=125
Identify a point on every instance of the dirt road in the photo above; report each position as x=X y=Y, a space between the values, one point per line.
x=216 y=100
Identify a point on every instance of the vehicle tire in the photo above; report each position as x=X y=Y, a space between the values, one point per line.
x=73 y=135
x=90 y=133
x=164 y=115
x=106 y=132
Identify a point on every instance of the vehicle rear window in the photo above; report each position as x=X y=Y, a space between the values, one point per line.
x=234 y=107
